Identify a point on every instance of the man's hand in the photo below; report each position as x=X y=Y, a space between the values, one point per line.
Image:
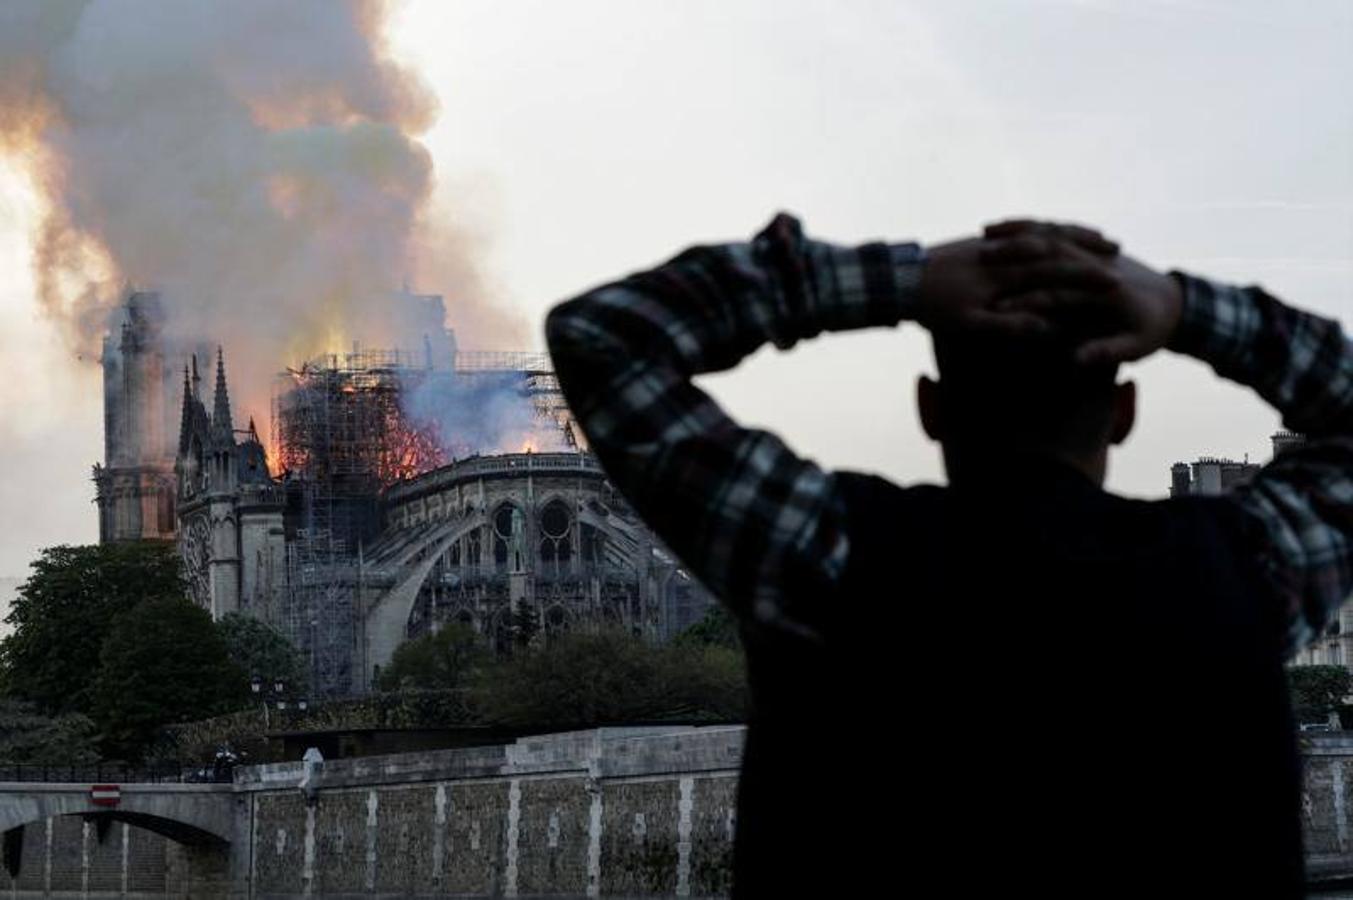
x=959 y=287
x=1132 y=316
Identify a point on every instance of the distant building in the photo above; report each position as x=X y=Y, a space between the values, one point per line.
x=1334 y=647
x=1210 y=476
x=407 y=491
x=1213 y=476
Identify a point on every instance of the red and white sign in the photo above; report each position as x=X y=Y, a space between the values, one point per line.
x=105 y=794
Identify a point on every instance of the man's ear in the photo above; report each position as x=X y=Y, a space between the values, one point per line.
x=930 y=402
x=1124 y=411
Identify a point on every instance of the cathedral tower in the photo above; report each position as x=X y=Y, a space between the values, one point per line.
x=135 y=484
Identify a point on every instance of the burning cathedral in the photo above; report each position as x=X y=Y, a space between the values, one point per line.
x=395 y=491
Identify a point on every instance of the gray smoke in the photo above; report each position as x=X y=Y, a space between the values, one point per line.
x=480 y=412
x=255 y=162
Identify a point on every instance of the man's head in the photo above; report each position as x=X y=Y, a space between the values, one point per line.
x=995 y=396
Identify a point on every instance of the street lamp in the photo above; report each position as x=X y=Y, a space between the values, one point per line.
x=256 y=686
x=279 y=688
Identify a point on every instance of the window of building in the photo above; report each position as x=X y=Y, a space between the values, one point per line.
x=508 y=525
x=556 y=535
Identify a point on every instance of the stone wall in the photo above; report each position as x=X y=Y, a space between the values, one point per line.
x=1327 y=803
x=613 y=812
x=63 y=857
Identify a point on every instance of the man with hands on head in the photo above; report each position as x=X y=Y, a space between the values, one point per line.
x=1019 y=680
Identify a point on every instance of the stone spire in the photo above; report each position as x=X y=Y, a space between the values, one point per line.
x=186 y=416
x=222 y=428
x=197 y=379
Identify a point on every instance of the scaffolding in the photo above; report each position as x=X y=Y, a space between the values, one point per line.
x=341 y=436
x=503 y=361
x=340 y=418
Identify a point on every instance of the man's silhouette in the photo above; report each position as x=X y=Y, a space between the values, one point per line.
x=1018 y=683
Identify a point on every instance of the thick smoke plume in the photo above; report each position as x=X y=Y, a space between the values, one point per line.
x=481 y=412
x=256 y=162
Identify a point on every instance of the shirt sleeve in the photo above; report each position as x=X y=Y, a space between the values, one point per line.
x=760 y=526
x=1302 y=501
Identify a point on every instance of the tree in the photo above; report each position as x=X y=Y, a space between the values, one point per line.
x=717 y=629
x=65 y=610
x=163 y=662
x=1318 y=691
x=525 y=624
x=442 y=660
x=27 y=736
x=580 y=680
x=259 y=649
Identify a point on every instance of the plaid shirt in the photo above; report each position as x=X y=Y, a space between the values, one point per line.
x=765 y=529
x=1303 y=499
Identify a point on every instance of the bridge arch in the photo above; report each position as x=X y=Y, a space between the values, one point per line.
x=197 y=815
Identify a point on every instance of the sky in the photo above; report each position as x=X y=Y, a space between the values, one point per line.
x=578 y=141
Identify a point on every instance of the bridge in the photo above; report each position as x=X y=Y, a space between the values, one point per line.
x=603 y=813
x=194 y=814
x=43 y=821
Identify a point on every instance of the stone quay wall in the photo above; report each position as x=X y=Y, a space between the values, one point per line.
x=605 y=813
x=612 y=812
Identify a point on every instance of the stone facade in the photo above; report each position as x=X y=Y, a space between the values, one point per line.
x=491 y=538
x=134 y=487
x=230 y=511
x=1334 y=647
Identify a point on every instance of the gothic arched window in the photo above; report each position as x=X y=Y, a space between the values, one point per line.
x=508 y=528
x=556 y=535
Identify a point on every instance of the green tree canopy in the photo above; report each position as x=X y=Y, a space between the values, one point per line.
x=1318 y=690
x=27 y=736
x=442 y=660
x=718 y=628
x=259 y=649
x=163 y=662
x=66 y=609
x=579 y=680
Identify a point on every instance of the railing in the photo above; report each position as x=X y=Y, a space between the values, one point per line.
x=501 y=360
x=477 y=466
x=114 y=773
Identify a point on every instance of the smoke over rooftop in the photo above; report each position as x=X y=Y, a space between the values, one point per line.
x=255 y=162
